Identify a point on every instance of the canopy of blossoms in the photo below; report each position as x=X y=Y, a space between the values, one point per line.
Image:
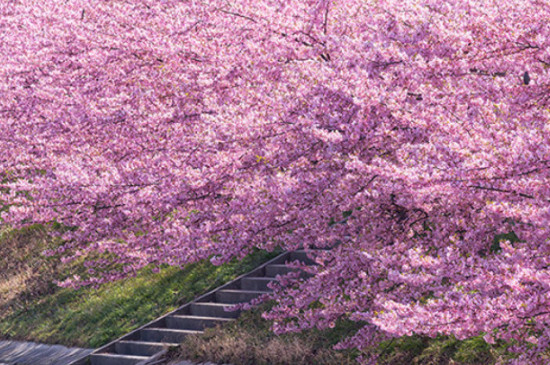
x=411 y=135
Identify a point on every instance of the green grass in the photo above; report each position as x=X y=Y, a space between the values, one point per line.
x=442 y=350
x=92 y=317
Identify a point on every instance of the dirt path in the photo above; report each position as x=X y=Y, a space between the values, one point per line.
x=30 y=353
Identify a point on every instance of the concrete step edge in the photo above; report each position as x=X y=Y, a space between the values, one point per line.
x=118 y=356
x=172 y=330
x=259 y=292
x=310 y=250
x=214 y=304
x=148 y=343
x=190 y=316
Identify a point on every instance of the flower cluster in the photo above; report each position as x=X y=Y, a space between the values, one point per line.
x=413 y=136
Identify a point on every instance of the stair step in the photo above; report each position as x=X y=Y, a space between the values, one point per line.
x=141 y=348
x=277 y=269
x=282 y=269
x=256 y=283
x=165 y=334
x=237 y=296
x=209 y=309
x=116 y=359
x=194 y=322
x=304 y=256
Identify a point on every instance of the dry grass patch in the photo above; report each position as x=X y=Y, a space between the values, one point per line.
x=249 y=341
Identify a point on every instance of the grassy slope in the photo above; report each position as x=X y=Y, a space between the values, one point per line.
x=31 y=308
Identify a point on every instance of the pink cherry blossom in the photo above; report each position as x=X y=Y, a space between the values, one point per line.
x=406 y=134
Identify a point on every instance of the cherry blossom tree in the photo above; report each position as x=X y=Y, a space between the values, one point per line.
x=412 y=136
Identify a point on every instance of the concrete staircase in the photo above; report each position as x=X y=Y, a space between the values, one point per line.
x=150 y=342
